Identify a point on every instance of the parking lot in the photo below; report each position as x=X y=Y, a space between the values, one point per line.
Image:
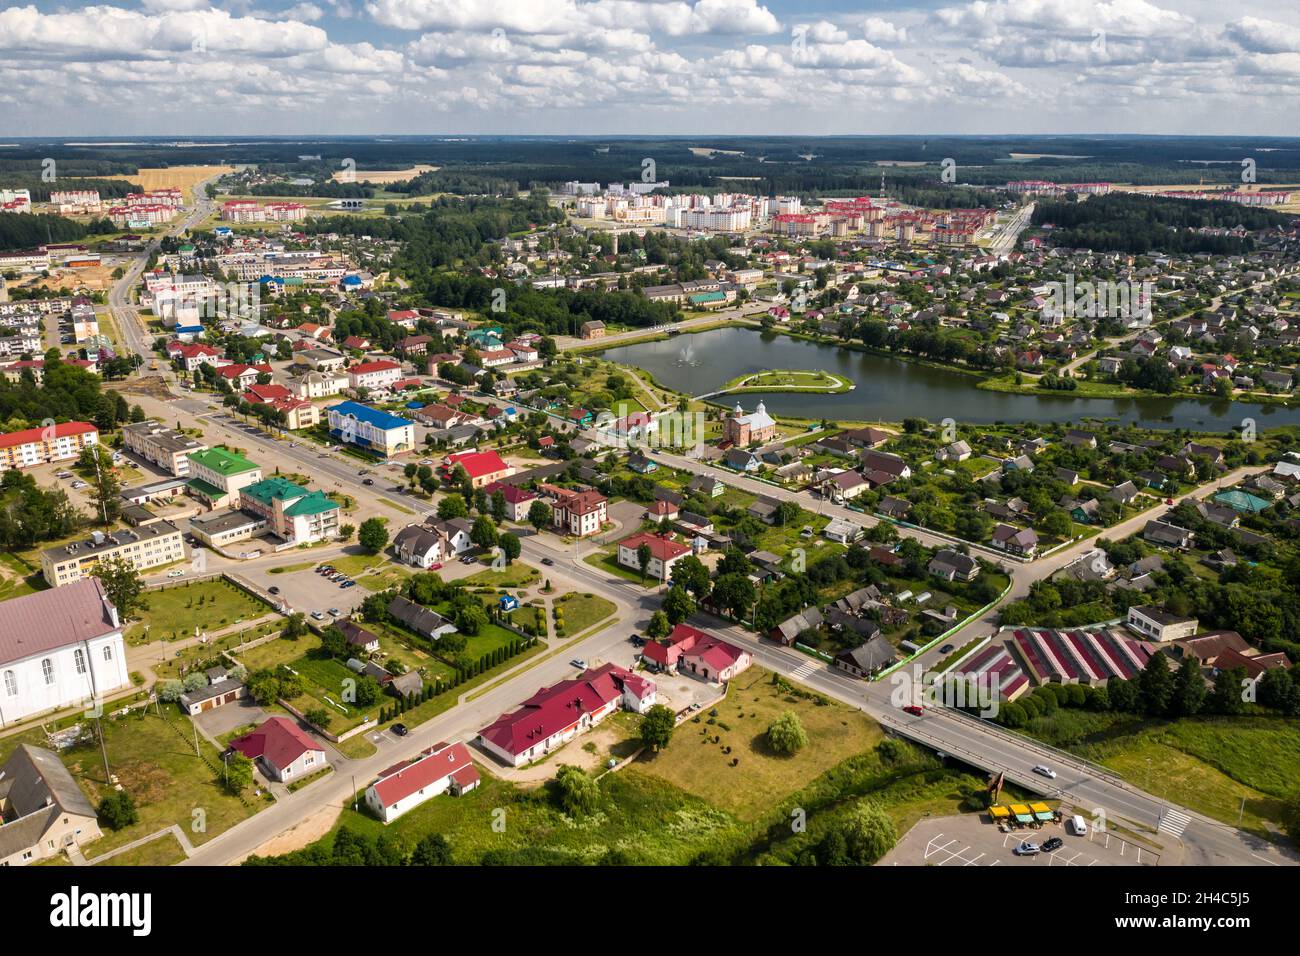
x=971 y=840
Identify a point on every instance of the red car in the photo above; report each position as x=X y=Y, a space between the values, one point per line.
x=436 y=566
x=914 y=709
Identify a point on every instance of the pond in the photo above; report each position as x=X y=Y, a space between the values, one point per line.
x=889 y=389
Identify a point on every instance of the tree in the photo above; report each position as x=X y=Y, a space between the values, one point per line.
x=1156 y=685
x=1226 y=698
x=238 y=773
x=576 y=793
x=122 y=584
x=786 y=735
x=692 y=574
x=452 y=506
x=318 y=716
x=540 y=515
x=499 y=511
x=117 y=810
x=484 y=532
x=659 y=625
x=347 y=531
x=734 y=593
x=432 y=850
x=868 y=834
x=657 y=727
x=367 y=691
x=788 y=512
x=511 y=546
x=373 y=535
x=1290 y=817
x=1189 y=688
x=643 y=558
x=678 y=605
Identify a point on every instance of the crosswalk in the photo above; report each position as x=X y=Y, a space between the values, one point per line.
x=1173 y=822
x=805 y=669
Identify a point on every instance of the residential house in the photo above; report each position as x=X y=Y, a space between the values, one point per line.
x=283 y=751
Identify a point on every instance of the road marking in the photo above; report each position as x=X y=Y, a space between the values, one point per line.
x=804 y=670
x=1173 y=822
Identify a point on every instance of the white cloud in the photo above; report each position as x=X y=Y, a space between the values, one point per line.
x=882 y=31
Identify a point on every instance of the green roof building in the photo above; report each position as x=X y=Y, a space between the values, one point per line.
x=218 y=474
x=296 y=514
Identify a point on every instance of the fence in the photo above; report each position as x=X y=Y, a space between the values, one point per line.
x=952 y=630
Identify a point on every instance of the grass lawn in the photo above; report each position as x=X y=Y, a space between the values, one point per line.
x=324 y=679
x=290 y=568
x=164 y=851
x=384 y=578
x=581 y=611
x=204 y=605
x=272 y=654
x=694 y=762
x=354 y=564
x=515 y=575
x=154 y=760
x=607 y=561
x=1209 y=764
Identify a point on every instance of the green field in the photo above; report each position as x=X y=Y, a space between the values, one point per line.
x=177 y=612
x=154 y=760
x=166 y=850
x=515 y=575
x=582 y=611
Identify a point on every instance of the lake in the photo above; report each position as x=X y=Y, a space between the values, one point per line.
x=890 y=389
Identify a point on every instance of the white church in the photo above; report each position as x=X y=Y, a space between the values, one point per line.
x=59 y=648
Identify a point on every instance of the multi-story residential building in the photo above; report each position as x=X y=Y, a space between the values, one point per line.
x=577 y=513
x=217 y=475
x=31 y=260
x=664 y=552
x=245 y=210
x=374 y=375
x=146 y=546
x=39 y=446
x=311 y=385
x=162 y=446
x=59 y=648
x=371 y=429
x=294 y=513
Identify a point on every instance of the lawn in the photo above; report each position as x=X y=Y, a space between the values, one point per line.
x=608 y=562
x=581 y=611
x=164 y=851
x=1209 y=764
x=154 y=760
x=183 y=610
x=515 y=575
x=385 y=578
x=700 y=757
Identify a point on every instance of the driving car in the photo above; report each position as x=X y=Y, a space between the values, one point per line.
x=367 y=481
x=946 y=649
x=1026 y=849
x=548 y=561
x=579 y=663
x=914 y=709
x=178 y=573
x=1052 y=843
x=1044 y=771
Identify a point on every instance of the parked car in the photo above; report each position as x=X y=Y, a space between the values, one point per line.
x=336 y=612
x=1026 y=849
x=177 y=573
x=317 y=616
x=436 y=566
x=1044 y=771
x=399 y=729
x=579 y=663
x=1078 y=825
x=1052 y=843
x=273 y=589
x=349 y=584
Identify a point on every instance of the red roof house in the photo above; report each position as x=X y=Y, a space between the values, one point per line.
x=284 y=750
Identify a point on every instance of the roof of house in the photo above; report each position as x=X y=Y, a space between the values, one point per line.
x=417 y=617
x=278 y=741
x=478 y=463
x=379 y=365
x=29 y=435
x=875 y=653
x=556 y=708
x=40 y=622
x=665 y=549
x=439 y=762
x=223 y=461
x=374 y=417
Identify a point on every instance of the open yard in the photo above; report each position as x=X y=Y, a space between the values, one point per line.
x=515 y=575
x=721 y=754
x=582 y=611
x=180 y=611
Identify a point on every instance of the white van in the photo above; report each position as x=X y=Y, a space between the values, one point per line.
x=1078 y=825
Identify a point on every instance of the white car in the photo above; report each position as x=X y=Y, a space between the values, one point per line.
x=1026 y=849
x=177 y=573
x=1047 y=772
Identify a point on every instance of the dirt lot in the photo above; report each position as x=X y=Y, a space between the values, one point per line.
x=971 y=840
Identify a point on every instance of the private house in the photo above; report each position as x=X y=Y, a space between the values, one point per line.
x=359 y=639
x=455 y=533
x=518 y=500
x=952 y=565
x=841 y=531
x=882 y=462
x=664 y=552
x=1169 y=535
x=788 y=631
x=42 y=810
x=706 y=485
x=283 y=751
x=844 y=486
x=740 y=459
x=1021 y=541
x=866 y=659
x=418 y=546
x=555 y=715
x=424 y=621
x=1158 y=624
x=957 y=451
x=577 y=513
x=443 y=768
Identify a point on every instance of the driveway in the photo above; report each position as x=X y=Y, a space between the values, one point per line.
x=222 y=720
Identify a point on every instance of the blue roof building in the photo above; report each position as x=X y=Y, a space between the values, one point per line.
x=374 y=430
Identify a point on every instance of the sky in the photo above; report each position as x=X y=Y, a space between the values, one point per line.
x=649 y=67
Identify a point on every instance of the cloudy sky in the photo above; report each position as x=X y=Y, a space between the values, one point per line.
x=187 y=67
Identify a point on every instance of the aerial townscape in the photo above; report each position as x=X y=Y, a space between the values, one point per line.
x=541 y=497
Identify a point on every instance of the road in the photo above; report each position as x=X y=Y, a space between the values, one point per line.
x=565 y=343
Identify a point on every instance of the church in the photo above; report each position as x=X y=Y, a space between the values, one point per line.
x=741 y=430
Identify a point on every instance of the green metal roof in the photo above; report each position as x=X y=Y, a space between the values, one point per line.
x=1241 y=501
x=317 y=502
x=205 y=489
x=223 y=461
x=269 y=489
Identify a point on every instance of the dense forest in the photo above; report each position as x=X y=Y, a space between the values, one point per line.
x=1125 y=222
x=26 y=231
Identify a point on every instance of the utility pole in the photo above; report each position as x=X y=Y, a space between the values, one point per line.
x=103 y=749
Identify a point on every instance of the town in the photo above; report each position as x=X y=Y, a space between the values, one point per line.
x=338 y=520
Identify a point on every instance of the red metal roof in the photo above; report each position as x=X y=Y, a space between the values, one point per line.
x=29 y=435
x=278 y=741
x=401 y=781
